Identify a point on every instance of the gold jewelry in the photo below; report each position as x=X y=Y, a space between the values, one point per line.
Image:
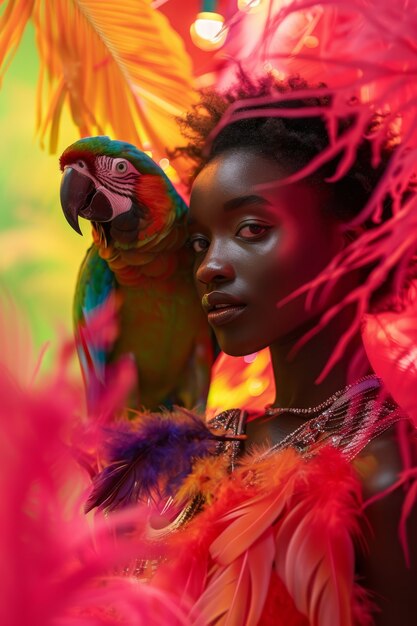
x=205 y=302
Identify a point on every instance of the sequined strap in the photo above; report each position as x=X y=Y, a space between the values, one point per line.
x=359 y=415
x=233 y=422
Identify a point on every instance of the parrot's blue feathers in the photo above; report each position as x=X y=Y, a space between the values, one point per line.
x=96 y=283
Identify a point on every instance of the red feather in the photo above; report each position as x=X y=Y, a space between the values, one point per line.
x=296 y=517
x=70 y=156
x=315 y=556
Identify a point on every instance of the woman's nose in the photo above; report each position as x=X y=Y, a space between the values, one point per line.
x=215 y=267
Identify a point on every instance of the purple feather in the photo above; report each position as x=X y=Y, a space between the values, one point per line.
x=154 y=458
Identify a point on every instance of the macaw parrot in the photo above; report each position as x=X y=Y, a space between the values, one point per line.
x=139 y=253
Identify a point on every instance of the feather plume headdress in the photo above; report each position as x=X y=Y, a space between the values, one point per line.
x=363 y=50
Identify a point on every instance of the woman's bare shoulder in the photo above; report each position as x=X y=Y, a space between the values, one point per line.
x=387 y=561
x=381 y=462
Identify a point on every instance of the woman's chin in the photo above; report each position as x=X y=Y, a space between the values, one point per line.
x=232 y=348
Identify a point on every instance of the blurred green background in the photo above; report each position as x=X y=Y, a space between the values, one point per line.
x=39 y=253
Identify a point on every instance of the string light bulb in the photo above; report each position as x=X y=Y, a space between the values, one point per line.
x=249 y=6
x=208 y=31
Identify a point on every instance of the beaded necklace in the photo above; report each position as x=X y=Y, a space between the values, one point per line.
x=272 y=411
x=348 y=420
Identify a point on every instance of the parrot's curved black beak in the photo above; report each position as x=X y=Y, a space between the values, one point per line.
x=76 y=194
x=80 y=198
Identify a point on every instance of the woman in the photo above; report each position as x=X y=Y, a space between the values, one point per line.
x=282 y=510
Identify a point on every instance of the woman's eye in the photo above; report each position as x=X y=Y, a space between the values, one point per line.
x=252 y=231
x=198 y=244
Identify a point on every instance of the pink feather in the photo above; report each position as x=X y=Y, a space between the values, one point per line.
x=53 y=568
x=391 y=343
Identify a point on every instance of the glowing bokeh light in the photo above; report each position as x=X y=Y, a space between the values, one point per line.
x=208 y=31
x=256 y=386
x=237 y=383
x=164 y=163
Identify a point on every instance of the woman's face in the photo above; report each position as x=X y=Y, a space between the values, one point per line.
x=253 y=247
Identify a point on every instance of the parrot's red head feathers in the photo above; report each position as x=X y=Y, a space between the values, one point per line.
x=152 y=192
x=71 y=156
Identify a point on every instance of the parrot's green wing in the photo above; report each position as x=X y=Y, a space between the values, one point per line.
x=95 y=287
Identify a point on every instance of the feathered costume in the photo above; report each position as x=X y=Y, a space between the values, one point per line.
x=239 y=561
x=274 y=538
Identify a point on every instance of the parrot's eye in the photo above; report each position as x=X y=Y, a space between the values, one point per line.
x=81 y=164
x=121 y=167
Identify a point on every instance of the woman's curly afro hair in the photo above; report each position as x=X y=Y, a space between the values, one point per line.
x=293 y=141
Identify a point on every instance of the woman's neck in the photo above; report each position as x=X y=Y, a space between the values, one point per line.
x=295 y=376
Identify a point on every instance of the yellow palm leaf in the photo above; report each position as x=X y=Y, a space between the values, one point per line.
x=12 y=24
x=119 y=65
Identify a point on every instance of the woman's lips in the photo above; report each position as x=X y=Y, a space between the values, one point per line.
x=222 y=307
x=225 y=314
